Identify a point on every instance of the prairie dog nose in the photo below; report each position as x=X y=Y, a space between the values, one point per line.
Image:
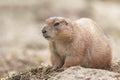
x=44 y=30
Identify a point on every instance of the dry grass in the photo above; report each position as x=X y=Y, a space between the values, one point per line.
x=39 y=73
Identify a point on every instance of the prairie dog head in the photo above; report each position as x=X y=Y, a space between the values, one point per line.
x=57 y=28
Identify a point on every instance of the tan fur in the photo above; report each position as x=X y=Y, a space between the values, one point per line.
x=80 y=42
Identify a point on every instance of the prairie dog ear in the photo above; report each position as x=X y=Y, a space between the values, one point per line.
x=65 y=21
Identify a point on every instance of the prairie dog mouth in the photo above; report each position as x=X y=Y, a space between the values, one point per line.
x=46 y=36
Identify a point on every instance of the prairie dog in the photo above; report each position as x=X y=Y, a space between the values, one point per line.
x=81 y=42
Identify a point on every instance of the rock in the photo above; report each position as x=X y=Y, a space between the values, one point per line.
x=79 y=73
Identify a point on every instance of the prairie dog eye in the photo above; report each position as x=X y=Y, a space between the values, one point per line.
x=56 y=24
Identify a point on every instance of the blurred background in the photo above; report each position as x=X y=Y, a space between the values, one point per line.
x=21 y=43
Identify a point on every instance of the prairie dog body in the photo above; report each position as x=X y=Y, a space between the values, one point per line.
x=80 y=42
